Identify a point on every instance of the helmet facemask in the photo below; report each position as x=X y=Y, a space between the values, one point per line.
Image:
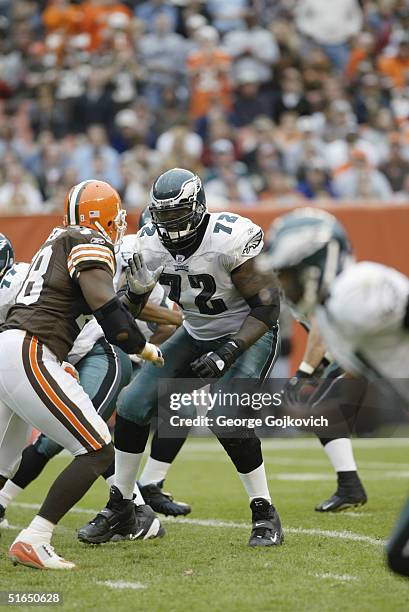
x=177 y=223
x=308 y=283
x=115 y=235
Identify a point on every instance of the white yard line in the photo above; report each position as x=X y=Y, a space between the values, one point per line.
x=343 y=535
x=362 y=465
x=363 y=514
x=324 y=463
x=337 y=577
x=279 y=444
x=316 y=476
x=120 y=584
x=75 y=510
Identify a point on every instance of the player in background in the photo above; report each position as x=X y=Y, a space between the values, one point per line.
x=364 y=321
x=307 y=249
x=69 y=278
x=104 y=370
x=229 y=331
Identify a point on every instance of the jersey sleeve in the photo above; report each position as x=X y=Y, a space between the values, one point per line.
x=246 y=244
x=10 y=286
x=88 y=252
x=158 y=296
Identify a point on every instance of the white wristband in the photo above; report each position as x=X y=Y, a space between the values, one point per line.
x=306 y=368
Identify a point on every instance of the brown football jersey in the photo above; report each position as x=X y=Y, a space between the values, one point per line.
x=50 y=303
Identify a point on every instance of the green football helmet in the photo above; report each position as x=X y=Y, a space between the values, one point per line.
x=307 y=248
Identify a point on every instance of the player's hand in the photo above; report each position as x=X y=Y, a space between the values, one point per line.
x=139 y=278
x=299 y=389
x=152 y=353
x=216 y=363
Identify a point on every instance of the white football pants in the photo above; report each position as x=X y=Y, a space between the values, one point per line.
x=36 y=391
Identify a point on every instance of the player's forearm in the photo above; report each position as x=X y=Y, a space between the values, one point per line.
x=158 y=314
x=134 y=306
x=263 y=315
x=251 y=330
x=315 y=349
x=162 y=333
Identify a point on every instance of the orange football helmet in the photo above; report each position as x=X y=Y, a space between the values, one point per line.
x=97 y=205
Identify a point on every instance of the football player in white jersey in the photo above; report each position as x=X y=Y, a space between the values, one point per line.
x=307 y=249
x=229 y=331
x=365 y=324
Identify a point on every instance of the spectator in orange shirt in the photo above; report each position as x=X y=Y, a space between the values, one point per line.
x=95 y=16
x=62 y=16
x=363 y=51
x=396 y=67
x=209 y=71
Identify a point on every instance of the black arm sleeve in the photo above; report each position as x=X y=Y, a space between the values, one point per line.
x=265 y=306
x=134 y=303
x=119 y=327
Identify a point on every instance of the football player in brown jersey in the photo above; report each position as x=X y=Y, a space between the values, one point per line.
x=70 y=278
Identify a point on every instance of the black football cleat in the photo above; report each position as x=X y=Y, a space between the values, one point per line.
x=121 y=520
x=351 y=495
x=162 y=502
x=266 y=527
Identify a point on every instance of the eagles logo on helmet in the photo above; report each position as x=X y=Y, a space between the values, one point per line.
x=177 y=206
x=308 y=248
x=97 y=205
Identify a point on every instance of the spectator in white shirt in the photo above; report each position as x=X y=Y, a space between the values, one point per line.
x=254 y=50
x=361 y=181
x=18 y=195
x=331 y=25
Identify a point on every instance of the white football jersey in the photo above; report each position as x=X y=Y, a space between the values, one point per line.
x=92 y=331
x=10 y=286
x=201 y=283
x=362 y=323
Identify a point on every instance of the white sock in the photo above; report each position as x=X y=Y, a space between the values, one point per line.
x=110 y=480
x=154 y=471
x=341 y=455
x=126 y=469
x=255 y=483
x=139 y=500
x=8 y=493
x=40 y=529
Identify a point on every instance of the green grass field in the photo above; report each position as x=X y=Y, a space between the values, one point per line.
x=328 y=562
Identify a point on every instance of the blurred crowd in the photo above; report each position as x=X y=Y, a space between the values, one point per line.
x=270 y=101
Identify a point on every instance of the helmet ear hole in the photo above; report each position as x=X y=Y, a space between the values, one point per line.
x=109 y=223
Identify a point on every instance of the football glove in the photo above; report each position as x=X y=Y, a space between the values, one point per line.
x=215 y=364
x=299 y=389
x=140 y=280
